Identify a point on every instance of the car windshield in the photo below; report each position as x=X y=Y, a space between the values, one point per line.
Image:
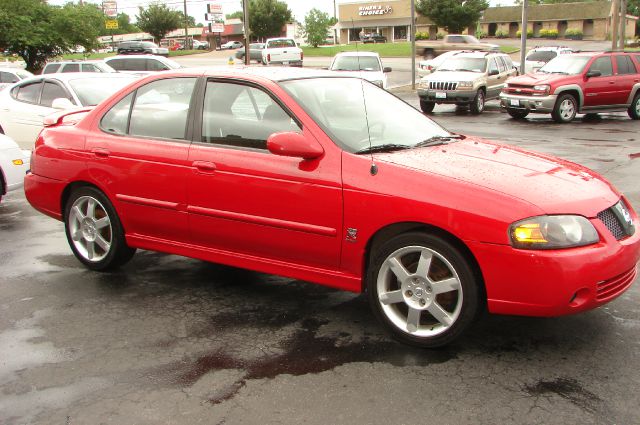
x=464 y=64
x=565 y=64
x=542 y=56
x=356 y=63
x=338 y=106
x=92 y=91
x=256 y=46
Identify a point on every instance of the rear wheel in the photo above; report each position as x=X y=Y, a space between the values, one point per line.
x=94 y=231
x=426 y=106
x=428 y=54
x=422 y=289
x=517 y=113
x=477 y=106
x=565 y=109
x=634 y=109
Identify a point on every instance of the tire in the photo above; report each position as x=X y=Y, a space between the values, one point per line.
x=634 y=108
x=517 y=114
x=94 y=231
x=565 y=109
x=477 y=106
x=426 y=106
x=422 y=289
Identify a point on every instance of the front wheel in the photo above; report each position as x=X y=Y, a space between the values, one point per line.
x=426 y=106
x=634 y=108
x=517 y=114
x=565 y=109
x=477 y=106
x=94 y=231
x=422 y=289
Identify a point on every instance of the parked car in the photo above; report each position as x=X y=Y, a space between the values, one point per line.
x=282 y=51
x=429 y=49
x=538 y=56
x=466 y=79
x=287 y=172
x=14 y=163
x=428 y=66
x=577 y=83
x=141 y=47
x=365 y=65
x=373 y=38
x=24 y=105
x=200 y=45
x=9 y=76
x=255 y=52
x=231 y=45
x=77 y=66
x=141 y=64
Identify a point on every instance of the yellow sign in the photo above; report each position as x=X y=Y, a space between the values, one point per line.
x=111 y=24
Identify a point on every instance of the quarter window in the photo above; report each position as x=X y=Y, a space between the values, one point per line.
x=625 y=65
x=28 y=93
x=116 y=120
x=242 y=116
x=602 y=64
x=87 y=67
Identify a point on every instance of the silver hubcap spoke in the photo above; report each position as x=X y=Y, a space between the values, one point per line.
x=638 y=106
x=566 y=109
x=419 y=291
x=90 y=228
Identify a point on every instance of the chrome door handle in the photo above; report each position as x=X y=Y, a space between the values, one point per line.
x=204 y=166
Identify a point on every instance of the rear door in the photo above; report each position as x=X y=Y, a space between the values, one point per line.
x=496 y=81
x=600 y=91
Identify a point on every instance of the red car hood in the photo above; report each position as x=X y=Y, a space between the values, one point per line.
x=534 y=78
x=552 y=184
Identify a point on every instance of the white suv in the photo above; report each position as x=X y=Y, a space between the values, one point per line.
x=77 y=66
x=365 y=65
x=538 y=56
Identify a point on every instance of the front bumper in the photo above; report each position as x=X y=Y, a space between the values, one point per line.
x=558 y=282
x=451 y=96
x=541 y=104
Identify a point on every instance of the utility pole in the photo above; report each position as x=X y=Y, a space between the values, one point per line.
x=413 y=45
x=623 y=21
x=523 y=38
x=247 y=32
x=335 y=19
x=615 y=13
x=186 y=27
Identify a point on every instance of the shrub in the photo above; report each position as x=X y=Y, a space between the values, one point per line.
x=501 y=34
x=545 y=33
x=529 y=33
x=440 y=36
x=573 y=34
x=480 y=34
x=422 y=36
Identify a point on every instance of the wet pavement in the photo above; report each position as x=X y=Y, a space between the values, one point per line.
x=178 y=341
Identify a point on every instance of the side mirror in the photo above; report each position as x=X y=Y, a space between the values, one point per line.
x=62 y=103
x=494 y=72
x=294 y=145
x=386 y=69
x=594 y=73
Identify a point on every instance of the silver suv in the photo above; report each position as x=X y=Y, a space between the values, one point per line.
x=77 y=66
x=466 y=79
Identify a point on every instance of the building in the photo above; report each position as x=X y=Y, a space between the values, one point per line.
x=392 y=19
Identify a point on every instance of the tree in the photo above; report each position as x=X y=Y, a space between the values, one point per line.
x=452 y=15
x=124 y=26
x=158 y=20
x=36 y=31
x=235 y=15
x=316 y=25
x=191 y=21
x=267 y=17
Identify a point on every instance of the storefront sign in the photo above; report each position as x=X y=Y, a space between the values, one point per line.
x=374 y=9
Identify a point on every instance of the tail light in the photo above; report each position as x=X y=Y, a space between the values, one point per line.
x=301 y=55
x=268 y=57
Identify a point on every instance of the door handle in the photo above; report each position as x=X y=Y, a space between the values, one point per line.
x=204 y=166
x=612 y=82
x=101 y=152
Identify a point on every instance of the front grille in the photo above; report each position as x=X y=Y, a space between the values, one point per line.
x=611 y=221
x=519 y=90
x=443 y=85
x=612 y=287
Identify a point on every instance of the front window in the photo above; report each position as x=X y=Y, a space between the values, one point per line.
x=464 y=64
x=565 y=64
x=92 y=91
x=541 y=56
x=338 y=106
x=355 y=63
x=603 y=65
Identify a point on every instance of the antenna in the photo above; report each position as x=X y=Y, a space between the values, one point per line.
x=374 y=168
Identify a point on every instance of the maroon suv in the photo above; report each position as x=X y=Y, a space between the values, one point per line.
x=582 y=83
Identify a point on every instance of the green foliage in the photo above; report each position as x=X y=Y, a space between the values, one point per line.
x=545 y=33
x=235 y=15
x=452 y=15
x=502 y=34
x=480 y=34
x=422 y=35
x=158 y=20
x=573 y=34
x=316 y=25
x=440 y=36
x=529 y=33
x=268 y=17
x=36 y=31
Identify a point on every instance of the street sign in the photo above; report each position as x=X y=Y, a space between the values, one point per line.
x=216 y=28
x=111 y=24
x=214 y=17
x=110 y=8
x=214 y=8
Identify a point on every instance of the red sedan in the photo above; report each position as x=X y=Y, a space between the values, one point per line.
x=333 y=180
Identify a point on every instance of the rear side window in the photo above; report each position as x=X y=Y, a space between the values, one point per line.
x=52 y=91
x=602 y=64
x=625 y=65
x=117 y=119
x=155 y=65
x=492 y=66
x=71 y=67
x=51 y=68
x=28 y=92
x=117 y=64
x=501 y=65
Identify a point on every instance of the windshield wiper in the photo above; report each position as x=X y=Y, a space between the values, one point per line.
x=439 y=140
x=387 y=147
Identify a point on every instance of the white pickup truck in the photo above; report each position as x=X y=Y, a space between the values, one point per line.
x=281 y=51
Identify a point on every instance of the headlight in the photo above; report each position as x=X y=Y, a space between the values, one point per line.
x=424 y=84
x=465 y=84
x=552 y=232
x=541 y=90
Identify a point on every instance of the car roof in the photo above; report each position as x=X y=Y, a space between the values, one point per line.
x=67 y=76
x=477 y=54
x=161 y=58
x=271 y=73
x=358 y=54
x=76 y=61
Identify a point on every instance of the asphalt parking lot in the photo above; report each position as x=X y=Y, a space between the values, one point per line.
x=170 y=340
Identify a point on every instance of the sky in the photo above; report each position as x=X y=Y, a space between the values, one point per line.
x=197 y=8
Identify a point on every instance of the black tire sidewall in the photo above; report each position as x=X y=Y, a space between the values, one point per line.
x=632 y=108
x=426 y=106
x=517 y=114
x=119 y=251
x=473 y=106
x=468 y=281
